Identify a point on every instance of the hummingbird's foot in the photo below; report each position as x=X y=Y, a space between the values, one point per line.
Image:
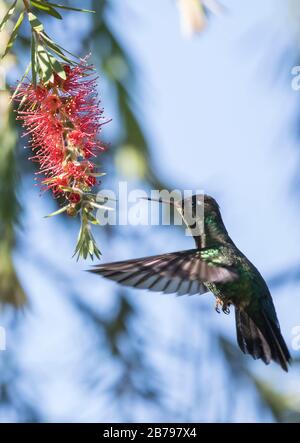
x=226 y=308
x=218 y=304
x=223 y=305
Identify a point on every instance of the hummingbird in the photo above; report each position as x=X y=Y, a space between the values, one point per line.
x=215 y=265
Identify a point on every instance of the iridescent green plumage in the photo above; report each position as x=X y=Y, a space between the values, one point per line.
x=215 y=265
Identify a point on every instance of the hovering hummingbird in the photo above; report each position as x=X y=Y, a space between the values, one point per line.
x=215 y=265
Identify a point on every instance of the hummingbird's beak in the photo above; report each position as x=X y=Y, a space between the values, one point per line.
x=160 y=200
x=106 y=199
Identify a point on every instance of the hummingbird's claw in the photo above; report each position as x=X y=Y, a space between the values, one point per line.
x=217 y=306
x=224 y=306
x=226 y=309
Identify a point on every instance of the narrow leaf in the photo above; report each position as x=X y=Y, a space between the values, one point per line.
x=14 y=34
x=105 y=208
x=97 y=174
x=9 y=13
x=33 y=61
x=57 y=67
x=54 y=48
x=70 y=8
x=36 y=25
x=47 y=8
x=44 y=64
x=91 y=247
x=46 y=37
x=59 y=211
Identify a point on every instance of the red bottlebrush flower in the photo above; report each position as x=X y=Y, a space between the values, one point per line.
x=74 y=198
x=62 y=120
x=51 y=103
x=76 y=137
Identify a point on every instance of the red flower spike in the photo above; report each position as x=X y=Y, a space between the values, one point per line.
x=63 y=121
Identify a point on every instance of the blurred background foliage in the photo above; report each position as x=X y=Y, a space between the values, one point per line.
x=110 y=374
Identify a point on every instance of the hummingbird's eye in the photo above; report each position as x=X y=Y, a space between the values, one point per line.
x=196 y=203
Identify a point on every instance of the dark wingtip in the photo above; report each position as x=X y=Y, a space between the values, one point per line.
x=285 y=365
x=288 y=364
x=94 y=270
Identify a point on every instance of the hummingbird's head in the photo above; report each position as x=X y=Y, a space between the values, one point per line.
x=191 y=205
x=200 y=213
x=198 y=205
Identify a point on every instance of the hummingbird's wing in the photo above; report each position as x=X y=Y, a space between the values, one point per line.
x=183 y=272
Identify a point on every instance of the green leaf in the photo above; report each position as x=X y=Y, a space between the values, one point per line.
x=54 y=48
x=91 y=247
x=92 y=219
x=45 y=65
x=70 y=8
x=97 y=174
x=59 y=211
x=36 y=25
x=33 y=61
x=63 y=50
x=14 y=34
x=64 y=188
x=57 y=67
x=47 y=8
x=86 y=244
x=9 y=13
x=94 y=222
x=105 y=208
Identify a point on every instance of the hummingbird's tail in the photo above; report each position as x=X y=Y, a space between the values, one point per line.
x=258 y=334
